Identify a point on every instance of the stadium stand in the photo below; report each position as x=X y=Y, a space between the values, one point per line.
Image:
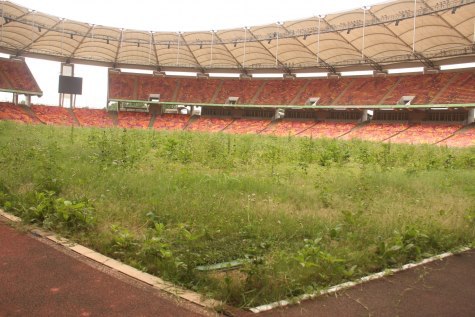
x=432 y=125
x=279 y=92
x=326 y=89
x=287 y=127
x=122 y=86
x=423 y=87
x=460 y=90
x=449 y=87
x=54 y=115
x=15 y=75
x=376 y=131
x=245 y=89
x=247 y=126
x=171 y=122
x=367 y=91
x=463 y=138
x=93 y=118
x=328 y=129
x=426 y=133
x=209 y=124
x=200 y=90
x=134 y=120
x=148 y=84
x=9 y=111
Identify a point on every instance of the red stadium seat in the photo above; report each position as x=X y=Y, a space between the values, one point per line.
x=209 y=124
x=93 y=118
x=54 y=115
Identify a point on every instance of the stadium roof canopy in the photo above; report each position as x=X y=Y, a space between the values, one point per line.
x=402 y=33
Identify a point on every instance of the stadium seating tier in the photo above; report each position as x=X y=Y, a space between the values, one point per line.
x=209 y=124
x=93 y=118
x=9 y=111
x=15 y=75
x=54 y=115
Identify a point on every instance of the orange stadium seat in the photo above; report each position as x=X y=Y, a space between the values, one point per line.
x=327 y=89
x=248 y=126
x=122 y=86
x=460 y=90
x=93 y=117
x=328 y=129
x=199 y=90
x=376 y=131
x=429 y=133
x=209 y=124
x=287 y=127
x=134 y=120
x=147 y=85
x=9 y=111
x=245 y=89
x=464 y=138
x=279 y=92
x=54 y=115
x=424 y=87
x=367 y=91
x=171 y=122
x=17 y=76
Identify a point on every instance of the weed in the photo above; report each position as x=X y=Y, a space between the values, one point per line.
x=305 y=213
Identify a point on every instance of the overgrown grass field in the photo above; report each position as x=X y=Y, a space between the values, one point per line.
x=300 y=214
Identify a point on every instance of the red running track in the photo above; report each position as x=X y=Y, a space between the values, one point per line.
x=38 y=279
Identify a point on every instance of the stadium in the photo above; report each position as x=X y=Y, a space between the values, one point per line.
x=251 y=165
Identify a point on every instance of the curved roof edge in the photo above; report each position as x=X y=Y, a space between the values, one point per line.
x=401 y=33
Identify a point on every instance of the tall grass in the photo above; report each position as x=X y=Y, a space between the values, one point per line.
x=302 y=214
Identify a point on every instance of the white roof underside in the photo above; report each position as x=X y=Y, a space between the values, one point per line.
x=378 y=38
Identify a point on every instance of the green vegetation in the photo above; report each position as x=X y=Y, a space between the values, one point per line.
x=300 y=214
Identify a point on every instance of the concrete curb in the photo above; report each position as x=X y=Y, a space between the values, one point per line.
x=347 y=285
x=149 y=279
x=196 y=298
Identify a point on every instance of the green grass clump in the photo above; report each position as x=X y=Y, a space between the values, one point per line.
x=302 y=214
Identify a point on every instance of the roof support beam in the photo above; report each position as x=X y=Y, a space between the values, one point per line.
x=448 y=24
x=13 y=20
x=373 y=64
x=80 y=42
x=119 y=46
x=427 y=62
x=227 y=50
x=285 y=68
x=155 y=51
x=26 y=47
x=192 y=55
x=328 y=66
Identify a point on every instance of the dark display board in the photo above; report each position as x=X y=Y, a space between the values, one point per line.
x=70 y=85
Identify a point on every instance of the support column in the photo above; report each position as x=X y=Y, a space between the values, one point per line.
x=364 y=116
x=67 y=99
x=471 y=115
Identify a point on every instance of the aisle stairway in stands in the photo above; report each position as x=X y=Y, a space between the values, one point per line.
x=328 y=129
x=209 y=124
x=247 y=126
x=171 y=122
x=93 y=118
x=376 y=131
x=426 y=133
x=54 y=115
x=9 y=111
x=288 y=127
x=444 y=87
x=463 y=138
x=134 y=120
x=444 y=134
